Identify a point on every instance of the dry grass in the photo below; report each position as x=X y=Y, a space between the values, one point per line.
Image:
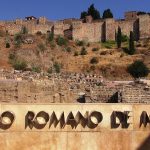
x=112 y=60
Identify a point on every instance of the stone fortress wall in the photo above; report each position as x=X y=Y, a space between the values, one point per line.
x=90 y=30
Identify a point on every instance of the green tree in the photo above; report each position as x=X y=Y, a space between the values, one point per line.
x=93 y=12
x=107 y=14
x=119 y=37
x=138 y=69
x=83 y=15
x=131 y=44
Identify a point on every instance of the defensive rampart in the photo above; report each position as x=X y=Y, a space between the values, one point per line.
x=88 y=29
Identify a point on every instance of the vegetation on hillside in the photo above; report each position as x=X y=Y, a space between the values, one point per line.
x=138 y=69
x=55 y=54
x=119 y=37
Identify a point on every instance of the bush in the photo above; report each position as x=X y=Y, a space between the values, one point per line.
x=76 y=53
x=41 y=47
x=18 y=40
x=61 y=41
x=7 y=45
x=92 y=68
x=109 y=44
x=124 y=38
x=24 y=30
x=19 y=65
x=83 y=51
x=52 y=44
x=94 y=60
x=12 y=57
x=50 y=70
x=36 y=69
x=39 y=33
x=80 y=43
x=57 y=67
x=50 y=37
x=68 y=49
x=95 y=49
x=138 y=69
x=103 y=53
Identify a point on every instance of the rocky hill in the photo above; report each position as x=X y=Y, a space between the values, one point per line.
x=41 y=52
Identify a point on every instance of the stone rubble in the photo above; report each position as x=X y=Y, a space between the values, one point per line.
x=31 y=87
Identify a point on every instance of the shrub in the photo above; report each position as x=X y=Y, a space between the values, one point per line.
x=92 y=68
x=83 y=51
x=36 y=69
x=12 y=57
x=50 y=70
x=94 y=60
x=39 y=33
x=18 y=40
x=138 y=69
x=109 y=44
x=52 y=44
x=76 y=53
x=68 y=49
x=61 y=41
x=57 y=67
x=95 y=49
x=124 y=38
x=19 y=65
x=41 y=47
x=88 y=44
x=24 y=30
x=50 y=37
x=103 y=53
x=7 y=45
x=80 y=43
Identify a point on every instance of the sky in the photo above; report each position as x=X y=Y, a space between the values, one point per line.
x=60 y=9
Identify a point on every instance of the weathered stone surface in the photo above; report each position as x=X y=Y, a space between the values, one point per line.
x=77 y=29
x=102 y=137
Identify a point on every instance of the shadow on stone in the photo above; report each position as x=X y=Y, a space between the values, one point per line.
x=145 y=145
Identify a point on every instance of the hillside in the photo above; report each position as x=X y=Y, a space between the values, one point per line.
x=59 y=54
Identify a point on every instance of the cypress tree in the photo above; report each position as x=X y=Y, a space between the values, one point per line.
x=131 y=44
x=119 y=36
